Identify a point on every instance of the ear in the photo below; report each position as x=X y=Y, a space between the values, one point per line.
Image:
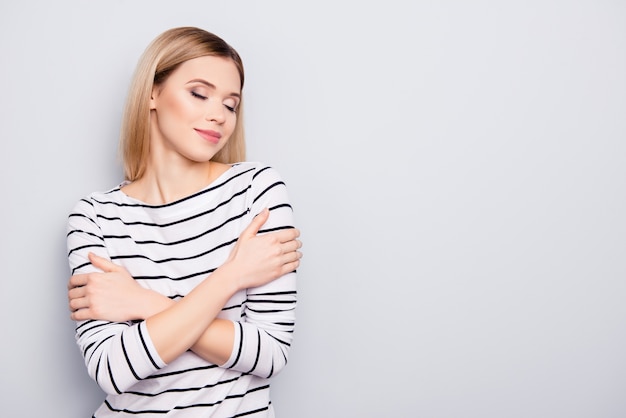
x=154 y=94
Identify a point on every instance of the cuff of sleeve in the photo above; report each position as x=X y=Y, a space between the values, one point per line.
x=151 y=353
x=237 y=343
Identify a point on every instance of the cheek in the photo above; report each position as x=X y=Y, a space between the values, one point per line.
x=178 y=108
x=183 y=108
x=229 y=126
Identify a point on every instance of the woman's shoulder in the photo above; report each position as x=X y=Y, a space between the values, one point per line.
x=256 y=170
x=107 y=196
x=249 y=165
x=112 y=194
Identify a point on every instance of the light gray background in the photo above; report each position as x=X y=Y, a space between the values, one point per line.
x=457 y=169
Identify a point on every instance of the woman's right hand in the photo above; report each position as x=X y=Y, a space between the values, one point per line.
x=111 y=294
x=258 y=259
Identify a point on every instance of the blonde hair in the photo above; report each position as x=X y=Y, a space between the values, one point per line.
x=164 y=54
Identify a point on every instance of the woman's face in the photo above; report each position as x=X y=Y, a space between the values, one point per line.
x=194 y=112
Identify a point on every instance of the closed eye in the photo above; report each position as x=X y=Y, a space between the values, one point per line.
x=230 y=109
x=198 y=96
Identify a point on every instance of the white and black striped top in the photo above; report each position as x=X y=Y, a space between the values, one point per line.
x=170 y=249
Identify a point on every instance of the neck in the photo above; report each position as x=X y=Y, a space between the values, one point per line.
x=165 y=184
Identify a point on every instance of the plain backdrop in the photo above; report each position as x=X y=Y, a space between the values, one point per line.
x=457 y=169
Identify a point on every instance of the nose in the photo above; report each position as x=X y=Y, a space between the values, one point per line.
x=216 y=112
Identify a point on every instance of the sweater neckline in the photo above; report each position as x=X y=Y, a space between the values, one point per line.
x=138 y=202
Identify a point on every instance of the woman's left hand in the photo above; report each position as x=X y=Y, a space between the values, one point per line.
x=112 y=295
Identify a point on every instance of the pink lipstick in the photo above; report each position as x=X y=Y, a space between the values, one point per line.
x=211 y=136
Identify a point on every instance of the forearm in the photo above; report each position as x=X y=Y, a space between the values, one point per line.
x=214 y=344
x=182 y=325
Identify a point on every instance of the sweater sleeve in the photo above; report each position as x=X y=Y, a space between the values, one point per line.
x=263 y=338
x=117 y=354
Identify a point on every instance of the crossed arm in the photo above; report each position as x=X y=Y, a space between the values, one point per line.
x=113 y=295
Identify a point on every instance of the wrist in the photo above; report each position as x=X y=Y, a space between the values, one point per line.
x=151 y=303
x=227 y=277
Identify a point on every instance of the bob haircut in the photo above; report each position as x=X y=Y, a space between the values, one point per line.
x=162 y=56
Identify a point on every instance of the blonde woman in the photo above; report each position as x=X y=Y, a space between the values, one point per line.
x=183 y=281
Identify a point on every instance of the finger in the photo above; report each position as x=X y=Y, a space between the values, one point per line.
x=291 y=257
x=297 y=255
x=290 y=246
x=77 y=280
x=256 y=224
x=102 y=263
x=81 y=315
x=292 y=266
x=75 y=293
x=79 y=303
x=287 y=235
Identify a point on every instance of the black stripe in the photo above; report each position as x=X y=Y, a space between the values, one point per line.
x=95 y=349
x=270 y=310
x=87 y=348
x=98 y=325
x=267 y=189
x=82 y=215
x=145 y=347
x=189 y=276
x=166 y=260
x=258 y=172
x=98 y=369
x=198 y=405
x=272 y=369
x=277 y=228
x=206 y=232
x=108 y=365
x=282 y=205
x=258 y=351
x=82 y=247
x=287 y=292
x=183 y=390
x=255 y=411
x=181 y=371
x=128 y=411
x=143 y=205
x=240 y=343
x=279 y=340
x=130 y=366
x=166 y=225
x=270 y=301
x=87 y=322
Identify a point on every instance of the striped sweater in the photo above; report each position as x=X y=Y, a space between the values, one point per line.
x=171 y=248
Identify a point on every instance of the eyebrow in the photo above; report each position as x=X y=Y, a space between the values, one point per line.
x=210 y=85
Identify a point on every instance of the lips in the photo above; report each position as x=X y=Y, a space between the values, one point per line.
x=211 y=136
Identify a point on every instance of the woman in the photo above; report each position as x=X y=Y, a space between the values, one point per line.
x=183 y=276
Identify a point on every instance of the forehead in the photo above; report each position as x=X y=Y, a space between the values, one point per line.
x=219 y=71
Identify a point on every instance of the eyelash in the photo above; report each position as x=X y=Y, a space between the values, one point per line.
x=198 y=96
x=201 y=97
